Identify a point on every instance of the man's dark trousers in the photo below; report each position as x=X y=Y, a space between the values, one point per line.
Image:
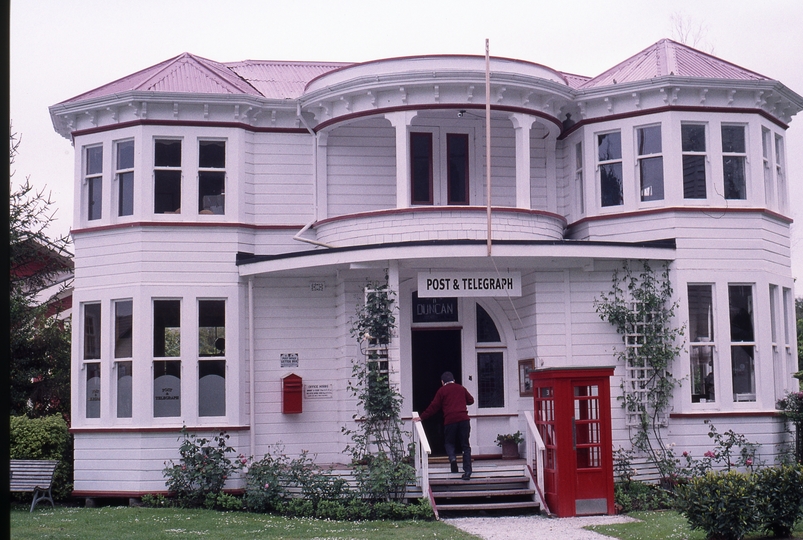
x=454 y=434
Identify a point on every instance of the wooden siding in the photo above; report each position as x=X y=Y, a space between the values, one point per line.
x=361 y=168
x=279 y=184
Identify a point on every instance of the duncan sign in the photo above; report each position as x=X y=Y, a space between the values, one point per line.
x=451 y=284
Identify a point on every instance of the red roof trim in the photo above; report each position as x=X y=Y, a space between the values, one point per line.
x=186 y=123
x=683 y=209
x=436 y=106
x=201 y=224
x=671 y=108
x=414 y=209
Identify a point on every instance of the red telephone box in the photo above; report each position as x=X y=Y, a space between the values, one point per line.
x=573 y=417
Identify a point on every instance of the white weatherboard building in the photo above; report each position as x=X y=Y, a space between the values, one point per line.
x=229 y=217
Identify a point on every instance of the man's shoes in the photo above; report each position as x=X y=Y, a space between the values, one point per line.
x=454 y=466
x=466 y=476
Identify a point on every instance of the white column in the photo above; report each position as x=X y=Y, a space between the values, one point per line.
x=522 y=123
x=552 y=174
x=400 y=120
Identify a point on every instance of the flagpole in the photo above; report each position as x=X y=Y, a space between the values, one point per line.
x=488 y=139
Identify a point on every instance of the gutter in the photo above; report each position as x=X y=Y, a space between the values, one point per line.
x=314 y=183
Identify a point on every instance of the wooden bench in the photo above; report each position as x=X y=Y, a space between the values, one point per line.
x=33 y=476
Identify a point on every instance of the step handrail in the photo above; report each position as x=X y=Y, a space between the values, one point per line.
x=536 y=451
x=422 y=453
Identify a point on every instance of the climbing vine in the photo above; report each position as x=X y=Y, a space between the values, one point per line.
x=641 y=308
x=378 y=449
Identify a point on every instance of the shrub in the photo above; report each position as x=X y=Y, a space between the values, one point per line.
x=44 y=438
x=156 y=501
x=723 y=505
x=202 y=469
x=634 y=496
x=780 y=492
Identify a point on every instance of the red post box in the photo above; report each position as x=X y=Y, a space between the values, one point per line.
x=292 y=389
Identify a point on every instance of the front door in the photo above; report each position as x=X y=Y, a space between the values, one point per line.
x=434 y=351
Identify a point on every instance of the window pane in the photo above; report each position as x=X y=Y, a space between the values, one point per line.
x=733 y=139
x=211 y=192
x=701 y=314
x=95 y=197
x=735 y=186
x=124 y=390
x=486 y=329
x=744 y=377
x=212 y=388
x=94 y=160
x=702 y=374
x=611 y=184
x=692 y=138
x=93 y=390
x=457 y=168
x=212 y=154
x=166 y=328
x=123 y=329
x=609 y=146
x=167 y=153
x=490 y=380
x=126 y=203
x=741 y=312
x=167 y=192
x=211 y=327
x=167 y=388
x=421 y=167
x=651 y=171
x=91 y=331
x=694 y=177
x=125 y=155
x=649 y=140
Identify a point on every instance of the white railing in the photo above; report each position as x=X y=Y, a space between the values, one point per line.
x=535 y=456
x=422 y=452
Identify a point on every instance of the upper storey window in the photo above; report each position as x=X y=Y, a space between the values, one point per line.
x=734 y=156
x=650 y=163
x=578 y=176
x=609 y=156
x=692 y=138
x=94 y=182
x=457 y=168
x=167 y=176
x=780 y=175
x=211 y=177
x=421 y=167
x=125 y=178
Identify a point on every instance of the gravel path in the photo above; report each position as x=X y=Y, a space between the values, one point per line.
x=512 y=528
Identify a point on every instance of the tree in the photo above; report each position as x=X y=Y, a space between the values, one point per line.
x=39 y=360
x=690 y=32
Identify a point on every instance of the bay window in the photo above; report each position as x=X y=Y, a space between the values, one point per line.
x=650 y=163
x=694 y=157
x=125 y=178
x=167 y=176
x=742 y=347
x=211 y=177
x=701 y=343
x=609 y=159
x=734 y=157
x=211 y=344
x=93 y=179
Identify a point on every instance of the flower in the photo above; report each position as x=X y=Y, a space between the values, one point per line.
x=709 y=454
x=685 y=453
x=748 y=462
x=267 y=486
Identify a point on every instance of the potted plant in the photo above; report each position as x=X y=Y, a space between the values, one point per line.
x=510 y=444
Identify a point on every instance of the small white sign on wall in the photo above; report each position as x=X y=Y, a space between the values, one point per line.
x=474 y=284
x=318 y=391
x=289 y=359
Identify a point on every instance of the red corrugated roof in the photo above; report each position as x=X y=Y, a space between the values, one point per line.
x=669 y=57
x=281 y=80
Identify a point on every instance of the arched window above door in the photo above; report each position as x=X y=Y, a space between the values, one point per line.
x=486 y=327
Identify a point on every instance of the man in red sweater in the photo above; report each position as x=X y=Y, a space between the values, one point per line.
x=453 y=399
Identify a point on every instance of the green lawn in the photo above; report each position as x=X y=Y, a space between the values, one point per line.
x=134 y=523
x=665 y=525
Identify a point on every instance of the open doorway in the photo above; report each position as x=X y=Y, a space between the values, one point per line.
x=433 y=352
